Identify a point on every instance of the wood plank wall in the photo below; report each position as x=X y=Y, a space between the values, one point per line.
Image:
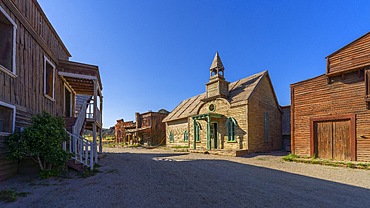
x=350 y=57
x=316 y=98
x=35 y=38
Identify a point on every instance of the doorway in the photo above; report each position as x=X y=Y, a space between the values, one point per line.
x=67 y=102
x=214 y=135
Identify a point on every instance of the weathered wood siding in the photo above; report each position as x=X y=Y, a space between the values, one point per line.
x=35 y=38
x=263 y=101
x=316 y=98
x=350 y=57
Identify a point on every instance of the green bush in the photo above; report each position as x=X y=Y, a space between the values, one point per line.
x=42 y=141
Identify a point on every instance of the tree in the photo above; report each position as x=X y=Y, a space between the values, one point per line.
x=42 y=141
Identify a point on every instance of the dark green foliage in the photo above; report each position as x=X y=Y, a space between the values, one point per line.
x=8 y=195
x=42 y=141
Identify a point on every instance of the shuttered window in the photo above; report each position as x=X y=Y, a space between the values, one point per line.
x=186 y=138
x=7 y=43
x=197 y=132
x=230 y=128
x=171 y=137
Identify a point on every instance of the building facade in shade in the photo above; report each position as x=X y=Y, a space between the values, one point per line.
x=243 y=116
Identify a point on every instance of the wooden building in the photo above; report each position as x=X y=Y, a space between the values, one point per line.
x=330 y=114
x=242 y=117
x=36 y=75
x=121 y=134
x=147 y=130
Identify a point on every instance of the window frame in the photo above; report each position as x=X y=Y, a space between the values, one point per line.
x=186 y=136
x=172 y=138
x=13 y=117
x=11 y=72
x=47 y=60
x=197 y=131
x=231 y=125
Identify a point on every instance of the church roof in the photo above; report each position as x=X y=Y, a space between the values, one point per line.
x=216 y=63
x=238 y=91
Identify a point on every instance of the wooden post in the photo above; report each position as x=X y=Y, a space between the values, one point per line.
x=95 y=144
x=100 y=141
x=195 y=132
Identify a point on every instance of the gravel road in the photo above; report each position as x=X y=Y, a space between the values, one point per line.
x=160 y=178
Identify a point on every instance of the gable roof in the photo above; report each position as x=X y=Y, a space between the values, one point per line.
x=239 y=91
x=349 y=44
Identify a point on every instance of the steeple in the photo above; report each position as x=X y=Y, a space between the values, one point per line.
x=217 y=68
x=217 y=87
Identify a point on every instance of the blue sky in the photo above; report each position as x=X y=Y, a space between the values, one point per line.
x=153 y=54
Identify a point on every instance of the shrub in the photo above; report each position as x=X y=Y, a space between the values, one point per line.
x=42 y=141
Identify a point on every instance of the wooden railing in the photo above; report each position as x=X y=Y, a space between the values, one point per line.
x=82 y=149
x=80 y=121
x=90 y=113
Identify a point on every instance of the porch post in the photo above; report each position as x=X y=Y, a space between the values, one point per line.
x=95 y=143
x=195 y=132
x=208 y=133
x=100 y=141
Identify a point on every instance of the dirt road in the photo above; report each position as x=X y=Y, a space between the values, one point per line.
x=159 y=178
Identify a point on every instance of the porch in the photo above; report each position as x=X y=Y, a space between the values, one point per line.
x=83 y=102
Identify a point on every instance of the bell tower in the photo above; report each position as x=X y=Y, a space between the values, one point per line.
x=217 y=87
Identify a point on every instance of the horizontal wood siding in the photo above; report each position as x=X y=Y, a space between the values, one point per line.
x=352 y=56
x=316 y=98
x=8 y=168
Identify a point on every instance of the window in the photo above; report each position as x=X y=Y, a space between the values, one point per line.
x=7 y=43
x=266 y=127
x=49 y=76
x=186 y=136
x=7 y=119
x=230 y=127
x=171 y=137
x=197 y=131
x=367 y=84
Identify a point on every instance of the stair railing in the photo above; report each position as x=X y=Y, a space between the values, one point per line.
x=82 y=149
x=77 y=127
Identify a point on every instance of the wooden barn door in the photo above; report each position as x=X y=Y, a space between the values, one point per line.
x=332 y=139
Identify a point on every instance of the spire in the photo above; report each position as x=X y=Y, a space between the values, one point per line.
x=217 y=63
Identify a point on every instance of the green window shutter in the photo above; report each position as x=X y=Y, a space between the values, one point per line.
x=266 y=127
x=230 y=128
x=197 y=132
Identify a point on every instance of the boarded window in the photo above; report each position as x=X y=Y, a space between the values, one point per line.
x=171 y=137
x=230 y=127
x=7 y=42
x=6 y=120
x=186 y=136
x=49 y=74
x=266 y=127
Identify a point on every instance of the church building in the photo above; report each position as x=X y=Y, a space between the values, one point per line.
x=239 y=117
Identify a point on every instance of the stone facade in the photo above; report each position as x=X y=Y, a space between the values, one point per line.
x=249 y=104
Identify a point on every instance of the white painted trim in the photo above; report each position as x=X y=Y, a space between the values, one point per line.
x=79 y=76
x=14 y=112
x=14 y=68
x=51 y=63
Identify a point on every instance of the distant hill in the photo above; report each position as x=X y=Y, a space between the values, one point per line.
x=105 y=132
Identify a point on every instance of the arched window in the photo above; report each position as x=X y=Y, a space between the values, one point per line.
x=171 y=137
x=186 y=136
x=197 y=131
x=230 y=128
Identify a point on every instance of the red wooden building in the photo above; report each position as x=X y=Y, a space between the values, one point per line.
x=330 y=114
